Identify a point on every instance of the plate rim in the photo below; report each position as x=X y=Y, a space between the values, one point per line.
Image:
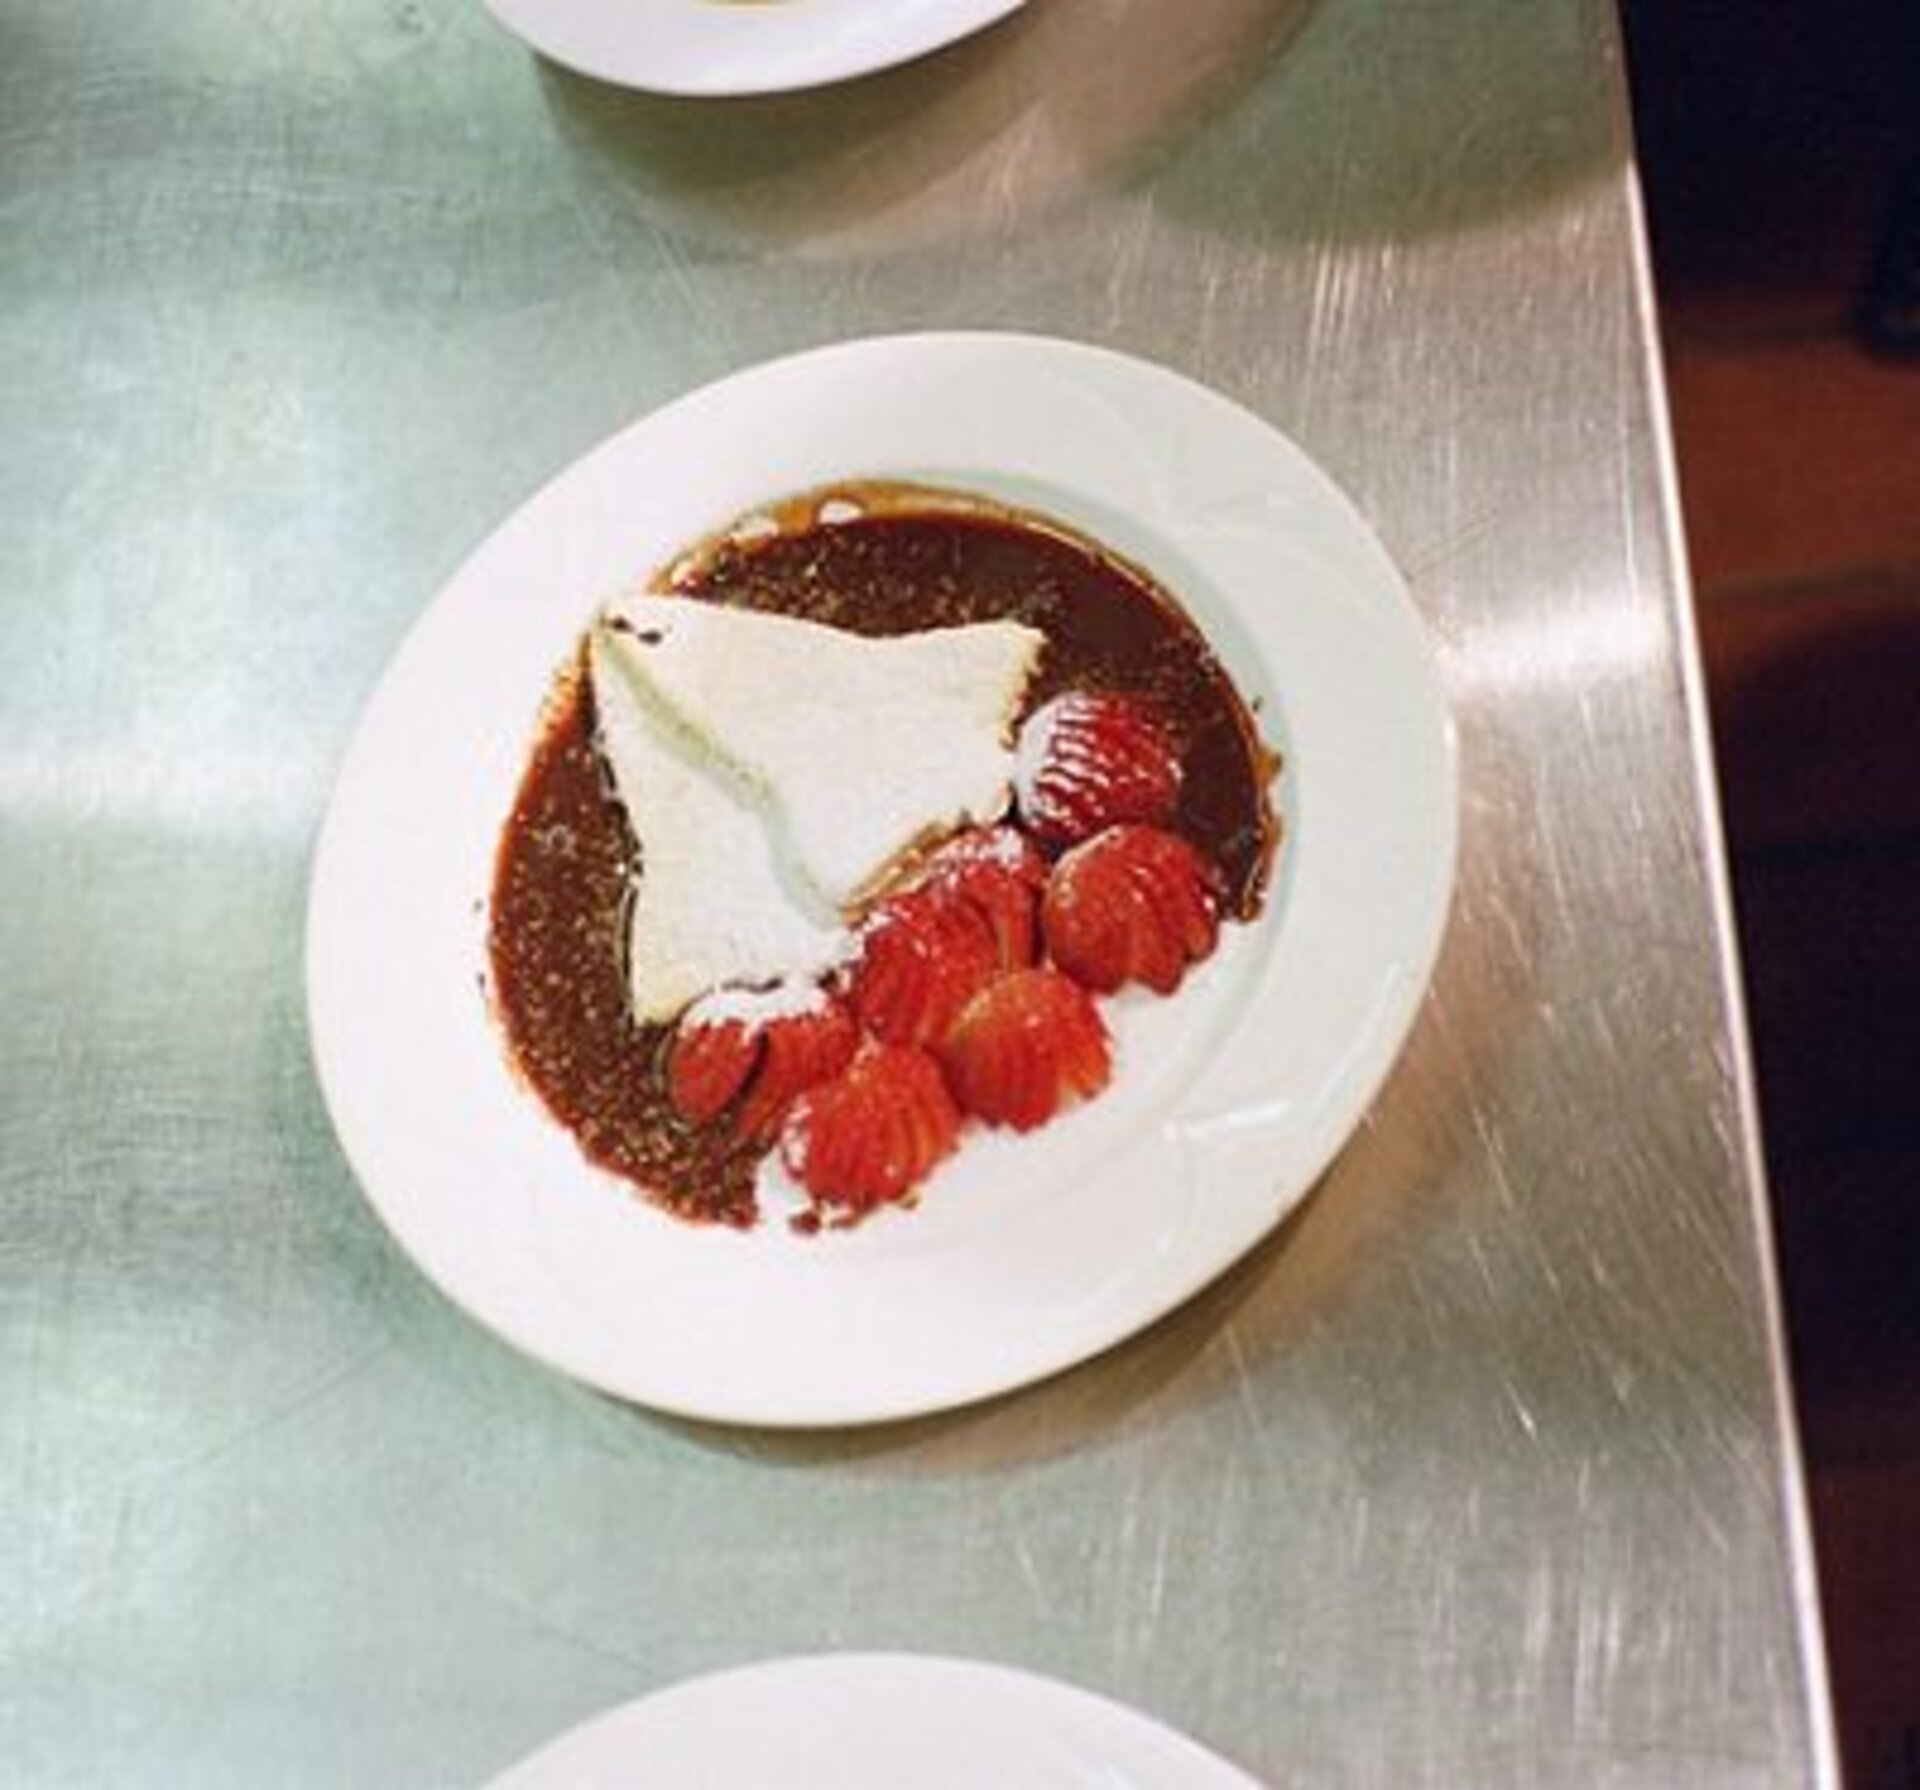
x=861 y=1674
x=521 y=18
x=1275 y=1200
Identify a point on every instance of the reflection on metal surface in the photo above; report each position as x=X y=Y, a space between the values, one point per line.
x=244 y=795
x=1565 y=647
x=1479 y=1475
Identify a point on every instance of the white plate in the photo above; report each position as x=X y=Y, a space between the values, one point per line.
x=715 y=47
x=1026 y=1254
x=873 y=1722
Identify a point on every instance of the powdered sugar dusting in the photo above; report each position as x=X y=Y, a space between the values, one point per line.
x=1033 y=750
x=1000 y=845
x=757 y=1006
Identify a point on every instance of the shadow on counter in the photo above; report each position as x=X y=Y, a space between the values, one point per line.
x=1385 y=123
x=985 y=137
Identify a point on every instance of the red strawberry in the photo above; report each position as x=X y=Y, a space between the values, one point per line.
x=1091 y=759
x=873 y=1132
x=1001 y=871
x=767 y=1057
x=708 y=1064
x=1133 y=904
x=923 y=955
x=801 y=1049
x=1025 y=1046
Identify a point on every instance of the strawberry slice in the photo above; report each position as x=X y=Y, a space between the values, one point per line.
x=708 y=1064
x=1000 y=870
x=1090 y=759
x=768 y=1057
x=1025 y=1046
x=923 y=956
x=1133 y=904
x=872 y=1133
x=801 y=1050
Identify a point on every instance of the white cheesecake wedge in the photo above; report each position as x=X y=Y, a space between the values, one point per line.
x=710 y=907
x=855 y=749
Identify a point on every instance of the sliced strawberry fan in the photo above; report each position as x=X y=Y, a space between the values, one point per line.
x=1026 y=1046
x=874 y=1132
x=1091 y=759
x=762 y=1064
x=923 y=955
x=1000 y=871
x=970 y=995
x=1132 y=904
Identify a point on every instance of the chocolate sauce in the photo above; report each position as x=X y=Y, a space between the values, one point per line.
x=908 y=560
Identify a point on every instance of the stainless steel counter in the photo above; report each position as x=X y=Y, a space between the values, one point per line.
x=1479 y=1475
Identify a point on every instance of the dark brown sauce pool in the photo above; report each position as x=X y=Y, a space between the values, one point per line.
x=908 y=560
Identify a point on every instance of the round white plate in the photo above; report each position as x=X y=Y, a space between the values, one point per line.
x=715 y=47
x=1025 y=1255
x=873 y=1721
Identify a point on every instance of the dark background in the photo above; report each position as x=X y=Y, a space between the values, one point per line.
x=1776 y=139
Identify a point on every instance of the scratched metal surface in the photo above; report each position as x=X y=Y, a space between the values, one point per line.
x=1478 y=1477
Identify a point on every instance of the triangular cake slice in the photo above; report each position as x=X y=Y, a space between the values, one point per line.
x=711 y=906
x=857 y=747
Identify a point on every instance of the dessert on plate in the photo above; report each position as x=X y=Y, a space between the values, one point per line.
x=839 y=839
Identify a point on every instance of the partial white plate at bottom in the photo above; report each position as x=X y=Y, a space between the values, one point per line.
x=873 y=1722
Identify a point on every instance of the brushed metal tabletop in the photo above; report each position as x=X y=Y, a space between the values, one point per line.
x=1481 y=1474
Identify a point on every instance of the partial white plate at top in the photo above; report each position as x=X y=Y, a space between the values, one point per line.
x=873 y=1722
x=1026 y=1255
x=711 y=48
